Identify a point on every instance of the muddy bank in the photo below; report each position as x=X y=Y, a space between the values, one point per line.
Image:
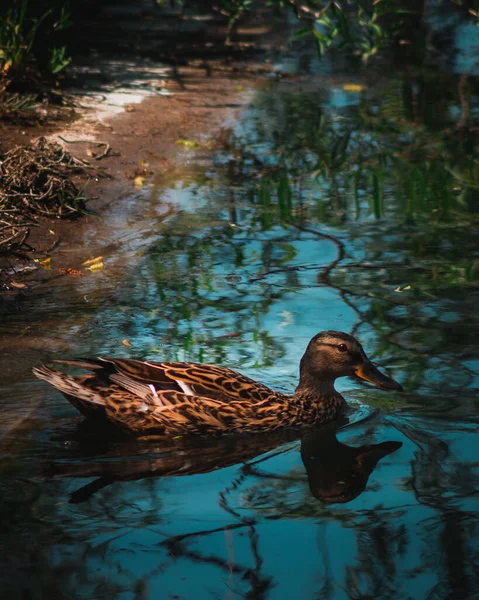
x=144 y=87
x=131 y=145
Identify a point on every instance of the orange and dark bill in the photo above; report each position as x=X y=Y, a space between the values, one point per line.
x=368 y=372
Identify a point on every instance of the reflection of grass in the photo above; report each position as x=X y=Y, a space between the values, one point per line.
x=340 y=173
x=361 y=154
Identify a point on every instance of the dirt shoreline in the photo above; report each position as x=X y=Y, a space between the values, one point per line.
x=141 y=80
x=132 y=107
x=143 y=143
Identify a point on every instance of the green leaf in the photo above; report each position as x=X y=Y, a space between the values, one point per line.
x=299 y=33
x=338 y=153
x=378 y=192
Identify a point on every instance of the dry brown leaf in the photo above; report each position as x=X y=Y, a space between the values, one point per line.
x=70 y=272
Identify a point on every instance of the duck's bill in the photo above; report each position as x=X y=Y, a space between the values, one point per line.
x=368 y=372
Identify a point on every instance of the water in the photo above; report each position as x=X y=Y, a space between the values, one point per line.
x=329 y=207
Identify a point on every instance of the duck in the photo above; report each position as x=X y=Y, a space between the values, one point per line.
x=181 y=398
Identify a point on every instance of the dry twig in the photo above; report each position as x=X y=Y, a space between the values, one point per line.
x=38 y=180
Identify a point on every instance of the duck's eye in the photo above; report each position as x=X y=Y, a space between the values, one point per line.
x=342 y=348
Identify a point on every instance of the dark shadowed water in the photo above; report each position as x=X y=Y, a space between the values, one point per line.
x=336 y=203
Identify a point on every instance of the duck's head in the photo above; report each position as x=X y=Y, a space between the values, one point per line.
x=333 y=354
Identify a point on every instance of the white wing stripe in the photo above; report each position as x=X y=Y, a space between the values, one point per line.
x=185 y=387
x=153 y=391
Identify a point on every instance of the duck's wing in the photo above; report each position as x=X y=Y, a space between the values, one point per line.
x=192 y=379
x=166 y=397
x=143 y=409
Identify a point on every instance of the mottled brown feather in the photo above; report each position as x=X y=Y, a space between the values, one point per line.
x=180 y=397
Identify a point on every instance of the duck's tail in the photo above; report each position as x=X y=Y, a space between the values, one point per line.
x=72 y=387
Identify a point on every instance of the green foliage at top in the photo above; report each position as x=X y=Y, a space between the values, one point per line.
x=30 y=40
x=27 y=38
x=367 y=26
x=364 y=25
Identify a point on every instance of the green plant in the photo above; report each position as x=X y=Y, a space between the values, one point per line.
x=233 y=9
x=24 y=35
x=58 y=61
x=16 y=103
x=17 y=35
x=363 y=25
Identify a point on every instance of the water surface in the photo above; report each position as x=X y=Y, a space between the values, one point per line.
x=335 y=203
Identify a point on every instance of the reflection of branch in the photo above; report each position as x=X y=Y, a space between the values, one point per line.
x=464 y=103
x=173 y=543
x=176 y=547
x=258 y=584
x=324 y=275
x=175 y=540
x=224 y=565
x=430 y=478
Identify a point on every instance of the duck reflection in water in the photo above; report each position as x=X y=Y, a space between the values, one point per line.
x=336 y=472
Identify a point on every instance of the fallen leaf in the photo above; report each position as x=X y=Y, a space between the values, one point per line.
x=46 y=263
x=190 y=144
x=51 y=231
x=126 y=343
x=142 y=170
x=92 y=260
x=139 y=181
x=238 y=88
x=96 y=266
x=353 y=87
